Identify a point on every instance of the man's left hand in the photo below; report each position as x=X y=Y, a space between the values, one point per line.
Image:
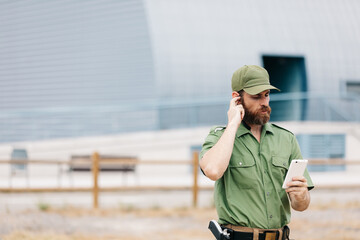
x=299 y=194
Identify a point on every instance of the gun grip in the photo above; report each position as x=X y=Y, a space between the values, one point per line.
x=215 y=229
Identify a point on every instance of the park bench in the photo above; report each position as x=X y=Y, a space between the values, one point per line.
x=107 y=163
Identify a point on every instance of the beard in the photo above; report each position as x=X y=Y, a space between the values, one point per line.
x=257 y=117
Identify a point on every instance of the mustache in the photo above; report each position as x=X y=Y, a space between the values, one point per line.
x=265 y=108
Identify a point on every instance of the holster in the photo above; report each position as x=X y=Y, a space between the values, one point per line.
x=286 y=233
x=218 y=232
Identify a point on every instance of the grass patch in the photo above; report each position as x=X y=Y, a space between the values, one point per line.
x=44 y=207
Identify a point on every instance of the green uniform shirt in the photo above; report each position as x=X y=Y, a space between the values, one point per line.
x=250 y=192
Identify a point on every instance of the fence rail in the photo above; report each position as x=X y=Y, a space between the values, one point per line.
x=97 y=161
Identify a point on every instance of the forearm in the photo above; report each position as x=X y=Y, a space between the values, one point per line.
x=216 y=160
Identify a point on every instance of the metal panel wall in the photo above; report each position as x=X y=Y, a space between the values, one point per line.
x=63 y=62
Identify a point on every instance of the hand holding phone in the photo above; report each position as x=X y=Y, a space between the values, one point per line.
x=297 y=168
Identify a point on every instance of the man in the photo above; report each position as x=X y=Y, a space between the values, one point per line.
x=249 y=159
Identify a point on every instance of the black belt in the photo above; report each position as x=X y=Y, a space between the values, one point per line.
x=249 y=236
x=273 y=235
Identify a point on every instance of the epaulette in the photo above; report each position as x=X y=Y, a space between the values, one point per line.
x=217 y=128
x=282 y=128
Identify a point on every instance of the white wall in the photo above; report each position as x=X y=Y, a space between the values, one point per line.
x=199 y=44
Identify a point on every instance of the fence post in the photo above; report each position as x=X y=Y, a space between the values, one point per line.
x=195 y=171
x=95 y=172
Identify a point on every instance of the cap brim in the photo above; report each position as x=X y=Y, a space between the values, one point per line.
x=258 y=89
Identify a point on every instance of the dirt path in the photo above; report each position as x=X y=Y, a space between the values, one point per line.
x=327 y=218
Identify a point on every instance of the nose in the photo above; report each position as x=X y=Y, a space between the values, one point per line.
x=264 y=101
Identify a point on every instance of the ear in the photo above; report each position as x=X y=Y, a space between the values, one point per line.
x=235 y=94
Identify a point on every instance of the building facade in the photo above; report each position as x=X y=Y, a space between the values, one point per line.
x=88 y=68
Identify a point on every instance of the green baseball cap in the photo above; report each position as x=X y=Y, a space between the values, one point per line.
x=252 y=79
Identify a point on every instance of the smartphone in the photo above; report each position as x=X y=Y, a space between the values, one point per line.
x=297 y=168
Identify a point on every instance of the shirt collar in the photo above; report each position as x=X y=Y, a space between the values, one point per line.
x=268 y=128
x=244 y=129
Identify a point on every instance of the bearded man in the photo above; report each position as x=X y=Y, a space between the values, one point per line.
x=249 y=159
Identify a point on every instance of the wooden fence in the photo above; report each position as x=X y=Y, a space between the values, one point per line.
x=97 y=161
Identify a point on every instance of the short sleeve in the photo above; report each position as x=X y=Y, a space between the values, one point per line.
x=213 y=137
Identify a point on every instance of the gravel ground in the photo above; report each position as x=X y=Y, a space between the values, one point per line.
x=333 y=215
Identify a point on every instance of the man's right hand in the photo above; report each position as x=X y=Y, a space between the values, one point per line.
x=236 y=112
x=215 y=161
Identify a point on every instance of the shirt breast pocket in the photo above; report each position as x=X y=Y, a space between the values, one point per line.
x=243 y=173
x=280 y=166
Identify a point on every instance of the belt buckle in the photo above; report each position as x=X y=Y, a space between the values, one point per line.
x=271 y=235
